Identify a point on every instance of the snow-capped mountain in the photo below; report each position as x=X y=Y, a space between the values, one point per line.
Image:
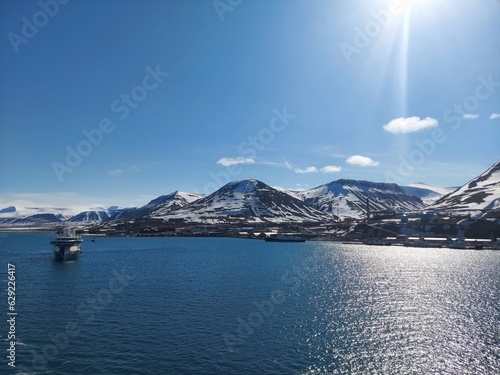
x=35 y=215
x=34 y=219
x=8 y=210
x=93 y=216
x=348 y=198
x=160 y=206
x=171 y=202
x=30 y=215
x=293 y=193
x=480 y=193
x=427 y=193
x=252 y=200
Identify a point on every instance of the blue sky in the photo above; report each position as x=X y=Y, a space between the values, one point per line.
x=117 y=102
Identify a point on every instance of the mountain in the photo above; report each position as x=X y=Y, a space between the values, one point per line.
x=171 y=202
x=34 y=215
x=254 y=201
x=8 y=210
x=480 y=193
x=94 y=216
x=160 y=206
x=348 y=198
x=34 y=219
x=427 y=193
x=293 y=193
x=251 y=200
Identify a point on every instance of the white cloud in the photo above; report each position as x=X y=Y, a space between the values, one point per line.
x=227 y=162
x=363 y=161
x=307 y=170
x=494 y=116
x=325 y=169
x=331 y=169
x=470 y=116
x=115 y=172
x=403 y=125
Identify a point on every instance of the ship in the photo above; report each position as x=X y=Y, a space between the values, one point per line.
x=67 y=245
x=421 y=242
x=285 y=238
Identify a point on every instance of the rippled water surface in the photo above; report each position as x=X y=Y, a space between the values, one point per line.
x=229 y=306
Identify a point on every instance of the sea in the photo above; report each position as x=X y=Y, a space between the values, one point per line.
x=172 y=305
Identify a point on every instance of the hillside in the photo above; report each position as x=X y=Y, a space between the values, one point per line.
x=480 y=193
x=348 y=197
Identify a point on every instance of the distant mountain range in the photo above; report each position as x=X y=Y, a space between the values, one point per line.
x=254 y=201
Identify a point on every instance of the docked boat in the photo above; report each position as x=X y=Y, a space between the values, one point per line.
x=421 y=242
x=67 y=246
x=376 y=242
x=457 y=245
x=285 y=238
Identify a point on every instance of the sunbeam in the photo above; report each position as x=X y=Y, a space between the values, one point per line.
x=403 y=66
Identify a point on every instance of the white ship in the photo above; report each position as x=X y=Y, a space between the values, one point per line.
x=67 y=246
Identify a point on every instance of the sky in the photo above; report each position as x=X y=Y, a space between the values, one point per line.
x=117 y=102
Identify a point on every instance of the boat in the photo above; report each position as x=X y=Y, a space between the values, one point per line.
x=421 y=242
x=457 y=245
x=67 y=245
x=285 y=238
x=376 y=242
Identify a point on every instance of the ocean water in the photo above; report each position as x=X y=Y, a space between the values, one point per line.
x=231 y=306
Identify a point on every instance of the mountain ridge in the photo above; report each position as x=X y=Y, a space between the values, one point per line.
x=348 y=197
x=480 y=193
x=254 y=200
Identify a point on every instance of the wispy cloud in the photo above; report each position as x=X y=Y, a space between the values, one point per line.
x=403 y=125
x=307 y=170
x=125 y=169
x=470 y=116
x=328 y=150
x=494 y=116
x=285 y=164
x=227 y=162
x=331 y=169
x=363 y=161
